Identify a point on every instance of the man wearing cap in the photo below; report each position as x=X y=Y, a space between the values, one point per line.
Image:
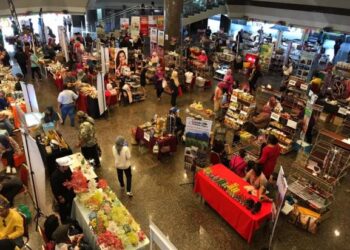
x=11 y=226
x=87 y=138
x=66 y=100
x=63 y=195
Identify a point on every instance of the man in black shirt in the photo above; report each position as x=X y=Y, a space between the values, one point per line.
x=21 y=58
x=63 y=195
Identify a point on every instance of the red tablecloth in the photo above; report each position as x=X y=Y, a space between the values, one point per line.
x=169 y=141
x=82 y=103
x=240 y=218
x=110 y=99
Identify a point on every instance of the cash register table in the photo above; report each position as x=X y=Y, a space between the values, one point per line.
x=239 y=217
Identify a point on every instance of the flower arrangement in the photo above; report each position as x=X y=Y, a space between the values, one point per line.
x=78 y=182
x=109 y=241
x=102 y=183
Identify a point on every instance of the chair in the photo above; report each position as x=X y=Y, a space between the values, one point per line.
x=26 y=233
x=214 y=158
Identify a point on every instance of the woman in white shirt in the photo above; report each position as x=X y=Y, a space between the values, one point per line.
x=122 y=157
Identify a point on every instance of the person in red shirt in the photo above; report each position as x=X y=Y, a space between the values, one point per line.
x=269 y=155
x=238 y=164
x=228 y=79
x=203 y=58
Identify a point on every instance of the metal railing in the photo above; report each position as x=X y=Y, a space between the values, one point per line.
x=192 y=7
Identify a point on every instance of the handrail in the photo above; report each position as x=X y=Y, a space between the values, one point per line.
x=131 y=9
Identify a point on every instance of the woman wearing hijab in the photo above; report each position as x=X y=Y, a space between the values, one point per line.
x=122 y=163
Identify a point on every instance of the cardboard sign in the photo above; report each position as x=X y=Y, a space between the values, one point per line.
x=291 y=124
x=275 y=116
x=303 y=86
x=234 y=98
x=342 y=111
x=146 y=136
x=292 y=82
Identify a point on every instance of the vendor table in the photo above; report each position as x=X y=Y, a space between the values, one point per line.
x=75 y=162
x=89 y=105
x=50 y=159
x=81 y=214
x=239 y=217
x=168 y=141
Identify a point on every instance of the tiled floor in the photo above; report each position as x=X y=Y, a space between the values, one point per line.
x=174 y=208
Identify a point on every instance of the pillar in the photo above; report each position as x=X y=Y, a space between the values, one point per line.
x=172 y=20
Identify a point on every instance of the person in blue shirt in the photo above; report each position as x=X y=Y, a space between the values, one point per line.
x=3 y=102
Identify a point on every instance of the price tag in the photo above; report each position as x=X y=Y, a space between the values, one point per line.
x=243 y=113
x=275 y=116
x=303 y=86
x=292 y=82
x=342 y=111
x=146 y=136
x=234 y=98
x=292 y=124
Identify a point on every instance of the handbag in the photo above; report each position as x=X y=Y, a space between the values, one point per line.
x=156 y=148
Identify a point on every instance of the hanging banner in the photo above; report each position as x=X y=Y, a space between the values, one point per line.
x=197 y=133
x=160 y=22
x=152 y=22
x=124 y=23
x=121 y=59
x=135 y=27
x=144 y=25
x=102 y=106
x=282 y=188
x=62 y=37
x=37 y=167
x=153 y=35
x=160 y=37
x=30 y=97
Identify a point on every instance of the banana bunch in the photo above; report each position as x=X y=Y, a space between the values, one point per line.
x=232 y=189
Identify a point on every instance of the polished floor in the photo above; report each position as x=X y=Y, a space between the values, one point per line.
x=160 y=196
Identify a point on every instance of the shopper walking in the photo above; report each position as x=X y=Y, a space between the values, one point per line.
x=158 y=82
x=254 y=76
x=122 y=157
x=269 y=155
x=174 y=86
x=21 y=59
x=66 y=103
x=34 y=65
x=87 y=138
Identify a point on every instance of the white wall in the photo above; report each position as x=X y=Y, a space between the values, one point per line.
x=297 y=18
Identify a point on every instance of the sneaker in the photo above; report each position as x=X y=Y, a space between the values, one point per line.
x=14 y=171
x=8 y=170
x=130 y=194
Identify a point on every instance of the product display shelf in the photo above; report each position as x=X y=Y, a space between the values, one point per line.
x=296 y=92
x=307 y=64
x=200 y=113
x=310 y=191
x=241 y=108
x=277 y=62
x=328 y=162
x=265 y=55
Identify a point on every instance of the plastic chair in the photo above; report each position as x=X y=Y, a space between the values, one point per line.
x=214 y=158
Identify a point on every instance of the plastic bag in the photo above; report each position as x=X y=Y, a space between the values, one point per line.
x=25 y=210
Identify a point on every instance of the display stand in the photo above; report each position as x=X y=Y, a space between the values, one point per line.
x=241 y=108
x=306 y=66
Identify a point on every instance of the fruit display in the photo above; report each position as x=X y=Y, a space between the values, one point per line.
x=243 y=96
x=281 y=136
x=244 y=135
x=231 y=123
x=196 y=105
x=113 y=225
